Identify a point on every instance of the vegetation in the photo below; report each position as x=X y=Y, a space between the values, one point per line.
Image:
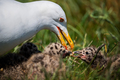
x=90 y=22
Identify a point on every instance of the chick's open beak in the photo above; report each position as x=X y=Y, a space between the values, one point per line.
x=67 y=37
x=78 y=54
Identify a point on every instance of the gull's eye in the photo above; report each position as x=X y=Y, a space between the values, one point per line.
x=61 y=19
x=86 y=52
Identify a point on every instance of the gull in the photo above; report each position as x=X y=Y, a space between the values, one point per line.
x=21 y=21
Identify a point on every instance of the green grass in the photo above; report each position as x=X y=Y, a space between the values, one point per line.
x=90 y=22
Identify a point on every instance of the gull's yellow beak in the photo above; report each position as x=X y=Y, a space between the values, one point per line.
x=67 y=37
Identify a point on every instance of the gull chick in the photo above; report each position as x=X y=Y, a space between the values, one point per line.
x=94 y=57
x=46 y=63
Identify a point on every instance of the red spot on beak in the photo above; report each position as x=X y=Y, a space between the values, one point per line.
x=65 y=47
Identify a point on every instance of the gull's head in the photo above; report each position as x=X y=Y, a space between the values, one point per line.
x=54 y=19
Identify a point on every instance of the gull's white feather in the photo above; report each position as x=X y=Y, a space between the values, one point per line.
x=20 y=21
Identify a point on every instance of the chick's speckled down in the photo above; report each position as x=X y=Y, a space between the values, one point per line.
x=93 y=56
x=40 y=64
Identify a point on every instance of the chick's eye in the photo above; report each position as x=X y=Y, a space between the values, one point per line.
x=61 y=19
x=87 y=53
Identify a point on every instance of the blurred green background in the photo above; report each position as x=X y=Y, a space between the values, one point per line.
x=89 y=22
